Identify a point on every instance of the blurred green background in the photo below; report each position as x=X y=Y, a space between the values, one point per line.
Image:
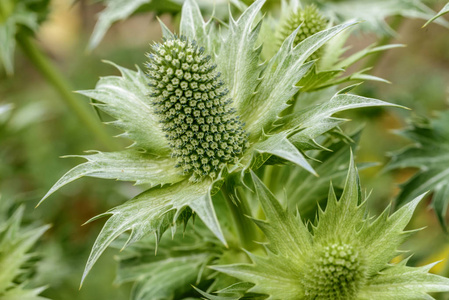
x=41 y=128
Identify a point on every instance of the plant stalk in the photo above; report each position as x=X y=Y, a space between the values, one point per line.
x=57 y=80
x=239 y=208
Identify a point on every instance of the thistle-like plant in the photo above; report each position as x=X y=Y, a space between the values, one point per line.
x=206 y=111
x=344 y=255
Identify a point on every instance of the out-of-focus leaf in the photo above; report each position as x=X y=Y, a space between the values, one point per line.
x=128 y=165
x=442 y=12
x=374 y=13
x=15 y=243
x=118 y=10
x=168 y=269
x=115 y=10
x=430 y=154
x=21 y=13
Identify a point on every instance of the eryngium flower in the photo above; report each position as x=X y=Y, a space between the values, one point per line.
x=345 y=255
x=191 y=101
x=161 y=153
x=309 y=20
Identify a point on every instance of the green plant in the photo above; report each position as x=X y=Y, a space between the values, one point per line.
x=429 y=155
x=259 y=94
x=345 y=255
x=15 y=266
x=215 y=118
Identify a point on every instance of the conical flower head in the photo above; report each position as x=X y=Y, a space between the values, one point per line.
x=311 y=22
x=336 y=271
x=191 y=101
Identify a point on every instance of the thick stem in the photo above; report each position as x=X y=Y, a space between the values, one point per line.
x=55 y=78
x=240 y=210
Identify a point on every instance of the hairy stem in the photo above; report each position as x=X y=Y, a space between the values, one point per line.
x=57 y=80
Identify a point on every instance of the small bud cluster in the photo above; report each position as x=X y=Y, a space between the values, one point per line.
x=336 y=273
x=311 y=22
x=200 y=123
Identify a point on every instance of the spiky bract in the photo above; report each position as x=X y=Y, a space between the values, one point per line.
x=200 y=123
x=311 y=22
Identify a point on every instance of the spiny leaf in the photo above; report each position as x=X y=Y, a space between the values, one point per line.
x=128 y=165
x=304 y=190
x=153 y=211
x=238 y=57
x=430 y=156
x=316 y=119
x=126 y=99
x=279 y=145
x=15 y=243
x=280 y=222
x=384 y=235
x=341 y=217
x=279 y=78
x=193 y=26
x=407 y=282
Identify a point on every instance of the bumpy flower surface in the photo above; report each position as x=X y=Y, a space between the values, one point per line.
x=335 y=272
x=200 y=123
x=311 y=22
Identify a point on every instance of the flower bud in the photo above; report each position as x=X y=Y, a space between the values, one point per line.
x=191 y=101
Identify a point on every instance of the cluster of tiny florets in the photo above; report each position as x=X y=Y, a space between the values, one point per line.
x=200 y=123
x=311 y=22
x=336 y=272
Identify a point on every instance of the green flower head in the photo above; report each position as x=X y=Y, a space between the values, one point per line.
x=205 y=110
x=309 y=20
x=346 y=255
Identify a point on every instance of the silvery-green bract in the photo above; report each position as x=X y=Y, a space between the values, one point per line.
x=258 y=93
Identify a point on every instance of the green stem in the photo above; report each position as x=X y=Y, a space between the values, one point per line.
x=239 y=208
x=54 y=77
